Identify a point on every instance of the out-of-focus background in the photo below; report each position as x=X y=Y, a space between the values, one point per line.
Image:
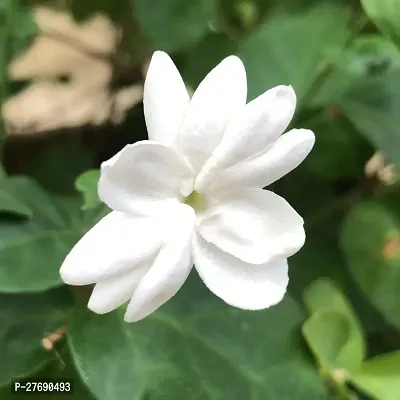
x=71 y=80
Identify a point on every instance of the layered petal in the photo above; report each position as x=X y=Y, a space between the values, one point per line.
x=165 y=100
x=110 y=293
x=142 y=176
x=242 y=285
x=118 y=243
x=171 y=267
x=254 y=225
x=267 y=167
x=252 y=131
x=217 y=99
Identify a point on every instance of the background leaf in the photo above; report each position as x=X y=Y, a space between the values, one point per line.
x=372 y=106
x=333 y=331
x=31 y=252
x=386 y=15
x=190 y=349
x=174 y=24
x=277 y=55
x=371 y=244
x=86 y=183
x=379 y=376
x=24 y=321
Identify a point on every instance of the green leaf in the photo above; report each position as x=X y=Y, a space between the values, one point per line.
x=329 y=336
x=324 y=294
x=371 y=242
x=380 y=376
x=59 y=367
x=24 y=321
x=386 y=15
x=86 y=183
x=9 y=202
x=368 y=55
x=31 y=252
x=325 y=301
x=372 y=105
x=371 y=54
x=174 y=24
x=191 y=348
x=278 y=55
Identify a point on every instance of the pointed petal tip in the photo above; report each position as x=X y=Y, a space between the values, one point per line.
x=97 y=307
x=159 y=54
x=234 y=61
x=132 y=317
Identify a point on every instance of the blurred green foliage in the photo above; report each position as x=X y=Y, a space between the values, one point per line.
x=337 y=332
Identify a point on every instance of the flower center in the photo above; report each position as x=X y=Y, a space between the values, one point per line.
x=195 y=200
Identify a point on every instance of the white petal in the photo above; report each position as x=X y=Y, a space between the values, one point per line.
x=255 y=128
x=142 y=176
x=170 y=269
x=219 y=96
x=110 y=293
x=282 y=157
x=254 y=225
x=165 y=100
x=242 y=285
x=116 y=244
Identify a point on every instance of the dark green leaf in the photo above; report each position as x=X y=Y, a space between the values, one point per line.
x=371 y=243
x=191 y=349
x=339 y=151
x=24 y=321
x=174 y=24
x=277 y=54
x=31 y=252
x=9 y=203
x=373 y=106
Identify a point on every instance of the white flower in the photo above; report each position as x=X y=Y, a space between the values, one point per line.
x=193 y=194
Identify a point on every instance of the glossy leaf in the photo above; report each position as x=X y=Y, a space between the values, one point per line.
x=192 y=348
x=32 y=251
x=276 y=54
